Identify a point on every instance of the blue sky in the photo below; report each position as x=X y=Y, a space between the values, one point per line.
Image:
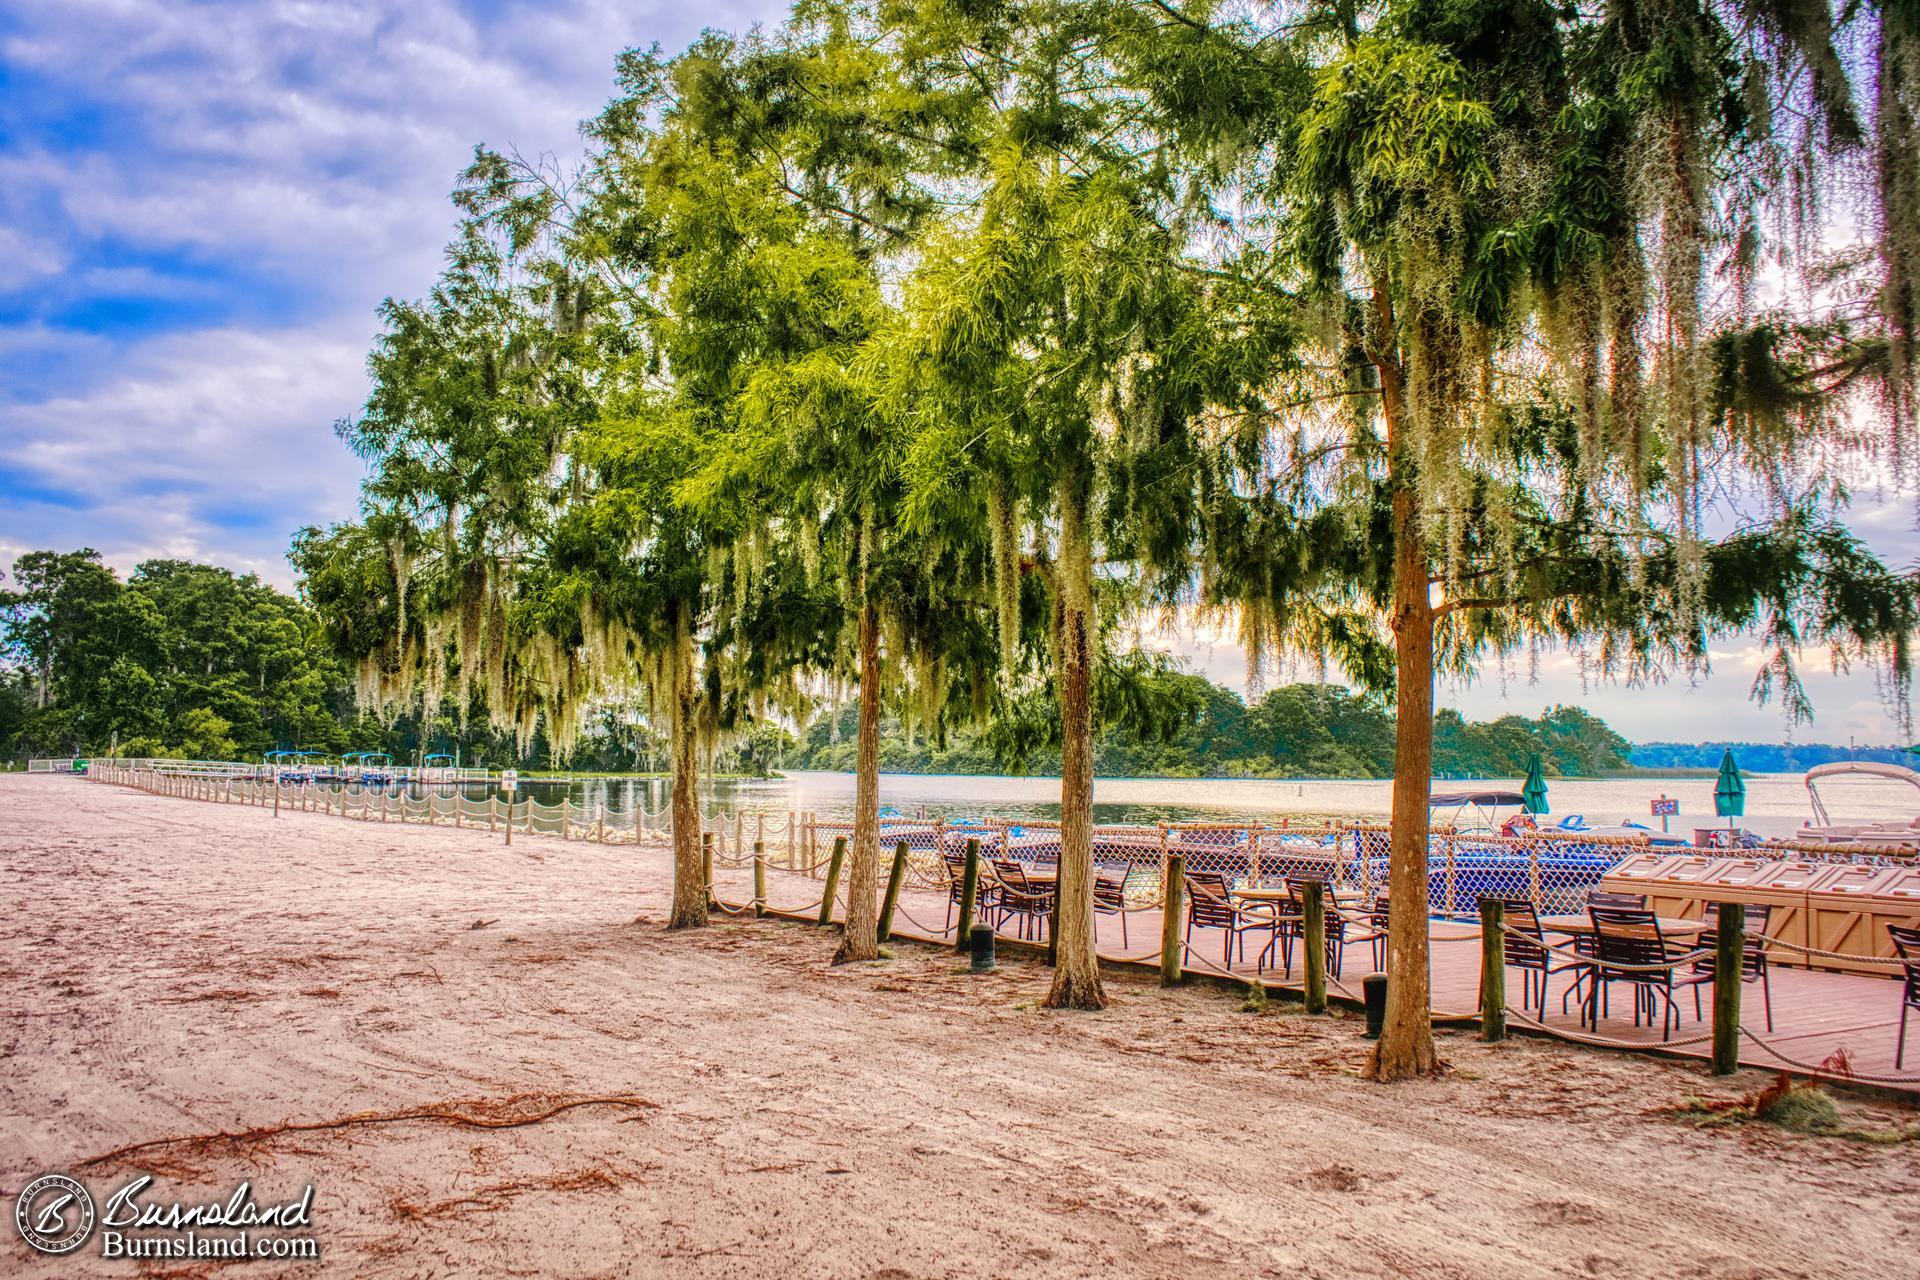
x=202 y=204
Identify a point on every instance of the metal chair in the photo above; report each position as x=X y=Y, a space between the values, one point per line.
x=1525 y=948
x=1378 y=917
x=1907 y=942
x=1753 y=957
x=1110 y=898
x=985 y=899
x=1631 y=938
x=1211 y=907
x=1018 y=896
x=1290 y=923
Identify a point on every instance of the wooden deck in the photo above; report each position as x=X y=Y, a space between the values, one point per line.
x=1815 y=1012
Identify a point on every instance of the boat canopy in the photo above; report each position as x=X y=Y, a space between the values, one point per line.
x=1855 y=768
x=1485 y=799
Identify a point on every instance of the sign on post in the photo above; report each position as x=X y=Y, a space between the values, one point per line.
x=509 y=779
x=1665 y=807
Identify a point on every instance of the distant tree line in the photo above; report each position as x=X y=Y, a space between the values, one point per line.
x=1762 y=757
x=192 y=661
x=1297 y=731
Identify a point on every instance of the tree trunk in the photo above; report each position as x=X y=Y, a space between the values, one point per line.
x=689 y=887
x=1076 y=975
x=1405 y=1048
x=860 y=940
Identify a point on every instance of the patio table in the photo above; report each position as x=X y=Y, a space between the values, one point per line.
x=1581 y=925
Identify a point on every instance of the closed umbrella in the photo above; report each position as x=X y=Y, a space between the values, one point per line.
x=1533 y=795
x=1730 y=791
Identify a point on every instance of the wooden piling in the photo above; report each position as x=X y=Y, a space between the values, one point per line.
x=969 y=893
x=706 y=865
x=1493 y=969
x=1314 y=925
x=1730 y=943
x=894 y=879
x=1174 y=892
x=833 y=879
x=759 y=878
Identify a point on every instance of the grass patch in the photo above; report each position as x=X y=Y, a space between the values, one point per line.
x=1797 y=1106
x=1256 y=1001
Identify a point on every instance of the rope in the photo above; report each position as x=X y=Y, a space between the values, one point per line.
x=1819 y=1069
x=1770 y=943
x=731 y=910
x=1617 y=966
x=1605 y=1042
x=900 y=909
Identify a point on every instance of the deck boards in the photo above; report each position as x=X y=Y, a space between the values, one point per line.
x=1815 y=1012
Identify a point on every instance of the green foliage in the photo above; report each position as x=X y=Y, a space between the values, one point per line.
x=183 y=658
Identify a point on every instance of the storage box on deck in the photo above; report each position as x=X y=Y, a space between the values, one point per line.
x=1680 y=886
x=1666 y=879
x=1850 y=908
x=1781 y=885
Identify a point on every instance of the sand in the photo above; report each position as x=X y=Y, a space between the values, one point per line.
x=171 y=967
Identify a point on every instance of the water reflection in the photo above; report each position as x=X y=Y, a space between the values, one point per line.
x=1775 y=803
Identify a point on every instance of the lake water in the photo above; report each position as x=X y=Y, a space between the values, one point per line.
x=1776 y=803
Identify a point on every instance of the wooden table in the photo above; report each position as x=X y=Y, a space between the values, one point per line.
x=1345 y=897
x=1670 y=926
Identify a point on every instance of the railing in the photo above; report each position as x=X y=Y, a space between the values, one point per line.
x=1554 y=870
x=594 y=820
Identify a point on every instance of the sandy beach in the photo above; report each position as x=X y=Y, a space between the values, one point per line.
x=173 y=968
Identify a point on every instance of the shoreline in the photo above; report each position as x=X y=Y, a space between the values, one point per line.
x=176 y=968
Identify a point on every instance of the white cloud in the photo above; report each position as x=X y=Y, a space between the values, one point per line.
x=288 y=163
x=212 y=445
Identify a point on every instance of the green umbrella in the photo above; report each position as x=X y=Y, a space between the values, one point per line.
x=1533 y=794
x=1730 y=792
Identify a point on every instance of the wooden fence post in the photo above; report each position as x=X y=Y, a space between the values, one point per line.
x=833 y=880
x=1493 y=969
x=969 y=893
x=383 y=817
x=1173 y=882
x=1730 y=943
x=276 y=797
x=892 y=899
x=759 y=878
x=1314 y=921
x=706 y=865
